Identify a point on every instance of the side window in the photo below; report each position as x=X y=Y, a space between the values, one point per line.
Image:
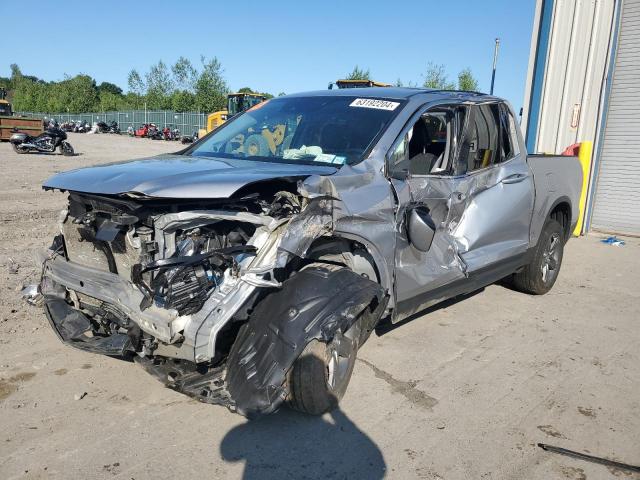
x=481 y=145
x=428 y=148
x=510 y=147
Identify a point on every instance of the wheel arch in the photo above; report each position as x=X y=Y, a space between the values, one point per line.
x=352 y=242
x=561 y=211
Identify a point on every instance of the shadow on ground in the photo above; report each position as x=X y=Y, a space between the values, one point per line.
x=288 y=444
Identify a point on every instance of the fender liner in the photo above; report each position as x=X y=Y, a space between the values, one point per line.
x=313 y=304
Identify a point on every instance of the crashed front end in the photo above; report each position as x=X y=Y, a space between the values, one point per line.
x=170 y=284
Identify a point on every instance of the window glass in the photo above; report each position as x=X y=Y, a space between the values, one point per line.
x=333 y=130
x=481 y=139
x=428 y=147
x=510 y=137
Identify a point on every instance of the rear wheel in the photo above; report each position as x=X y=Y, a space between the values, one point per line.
x=541 y=273
x=17 y=149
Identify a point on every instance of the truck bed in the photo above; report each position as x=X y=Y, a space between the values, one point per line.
x=557 y=178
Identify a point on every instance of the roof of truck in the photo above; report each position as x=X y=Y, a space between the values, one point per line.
x=395 y=92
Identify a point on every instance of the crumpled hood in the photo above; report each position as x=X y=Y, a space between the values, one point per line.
x=178 y=176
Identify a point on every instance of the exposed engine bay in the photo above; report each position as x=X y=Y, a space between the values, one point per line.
x=171 y=285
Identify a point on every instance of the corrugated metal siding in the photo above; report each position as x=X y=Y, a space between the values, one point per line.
x=574 y=74
x=617 y=196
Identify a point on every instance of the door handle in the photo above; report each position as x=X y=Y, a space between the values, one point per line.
x=515 y=178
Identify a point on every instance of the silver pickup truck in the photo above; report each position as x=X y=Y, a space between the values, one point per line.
x=248 y=269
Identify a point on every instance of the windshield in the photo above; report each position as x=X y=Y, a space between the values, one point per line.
x=5 y=109
x=329 y=130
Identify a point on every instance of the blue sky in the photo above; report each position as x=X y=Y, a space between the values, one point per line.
x=277 y=46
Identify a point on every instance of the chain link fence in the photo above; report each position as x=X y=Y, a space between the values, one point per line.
x=186 y=122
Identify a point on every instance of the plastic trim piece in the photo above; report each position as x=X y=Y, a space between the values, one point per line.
x=314 y=304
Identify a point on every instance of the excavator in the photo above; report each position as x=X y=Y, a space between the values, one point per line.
x=236 y=103
x=5 y=106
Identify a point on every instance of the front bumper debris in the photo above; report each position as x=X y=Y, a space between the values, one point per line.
x=205 y=385
x=74 y=328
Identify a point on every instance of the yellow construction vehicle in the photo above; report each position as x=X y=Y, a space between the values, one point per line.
x=358 y=84
x=236 y=103
x=5 y=106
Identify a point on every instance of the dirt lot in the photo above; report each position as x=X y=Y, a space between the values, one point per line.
x=464 y=392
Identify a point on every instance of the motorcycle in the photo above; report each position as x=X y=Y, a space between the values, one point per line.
x=154 y=133
x=130 y=131
x=142 y=131
x=170 y=134
x=68 y=126
x=189 y=139
x=81 y=127
x=111 y=127
x=47 y=142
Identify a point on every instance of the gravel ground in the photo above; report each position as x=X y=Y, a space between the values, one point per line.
x=466 y=391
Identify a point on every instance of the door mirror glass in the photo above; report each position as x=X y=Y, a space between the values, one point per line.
x=420 y=228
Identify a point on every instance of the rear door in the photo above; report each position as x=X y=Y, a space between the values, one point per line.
x=498 y=192
x=466 y=168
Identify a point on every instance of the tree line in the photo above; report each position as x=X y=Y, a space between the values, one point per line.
x=183 y=87
x=434 y=77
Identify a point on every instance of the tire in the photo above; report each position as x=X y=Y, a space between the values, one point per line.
x=320 y=376
x=256 y=146
x=17 y=149
x=315 y=386
x=66 y=149
x=539 y=276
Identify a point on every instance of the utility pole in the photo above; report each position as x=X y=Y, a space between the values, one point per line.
x=495 y=61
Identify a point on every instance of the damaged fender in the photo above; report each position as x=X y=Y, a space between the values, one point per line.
x=314 y=304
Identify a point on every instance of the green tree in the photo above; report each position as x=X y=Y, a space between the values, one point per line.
x=184 y=74
x=77 y=95
x=16 y=73
x=31 y=96
x=159 y=86
x=131 y=101
x=466 y=81
x=281 y=94
x=110 y=101
x=183 y=101
x=359 y=74
x=110 y=88
x=436 y=77
x=135 y=82
x=400 y=83
x=211 y=88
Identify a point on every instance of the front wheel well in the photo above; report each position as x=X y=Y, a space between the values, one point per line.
x=350 y=253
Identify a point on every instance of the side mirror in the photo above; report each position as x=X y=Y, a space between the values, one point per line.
x=420 y=228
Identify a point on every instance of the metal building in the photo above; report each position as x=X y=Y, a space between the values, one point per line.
x=583 y=85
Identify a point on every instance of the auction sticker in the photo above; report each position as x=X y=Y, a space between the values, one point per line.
x=374 y=103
